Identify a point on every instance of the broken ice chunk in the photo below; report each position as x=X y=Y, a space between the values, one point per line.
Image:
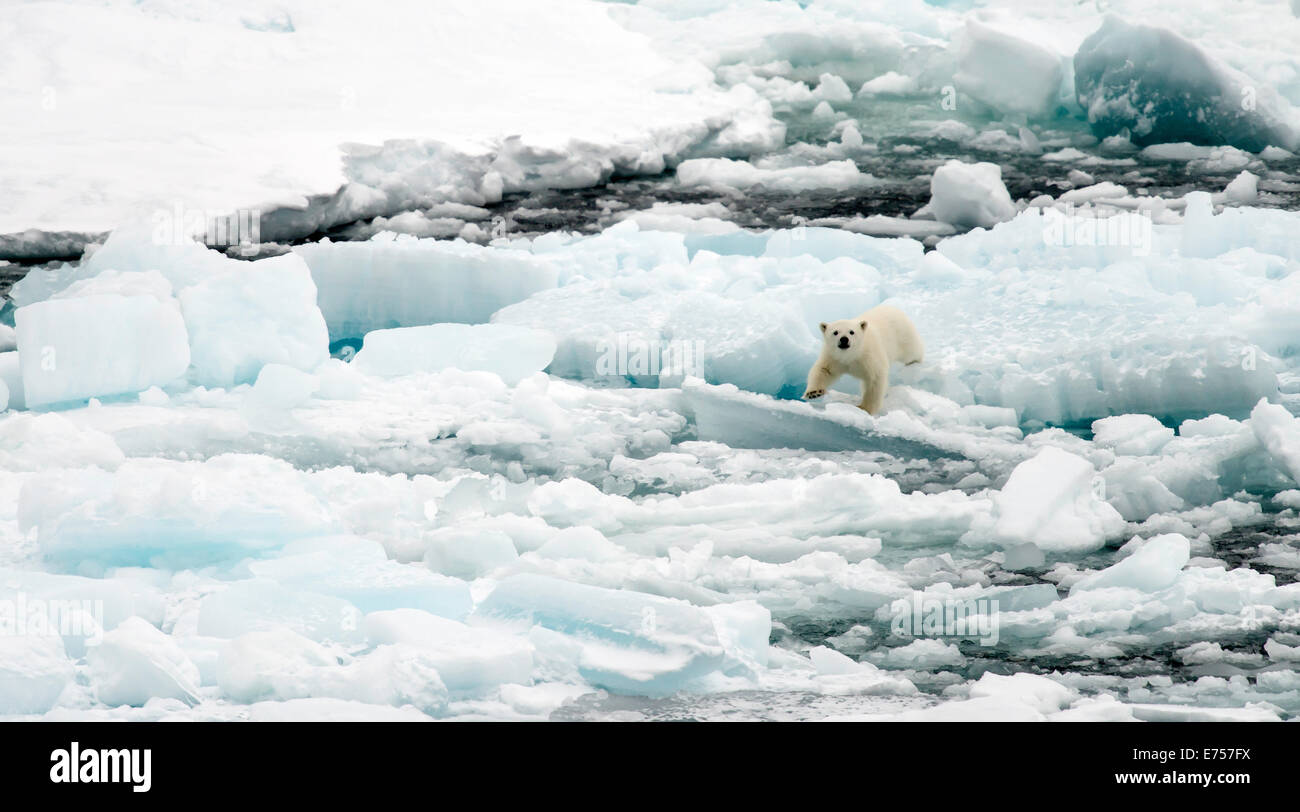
x=631 y=642
x=963 y=194
x=511 y=352
x=136 y=662
x=1052 y=501
x=1153 y=567
x=1162 y=88
x=34 y=670
x=107 y=344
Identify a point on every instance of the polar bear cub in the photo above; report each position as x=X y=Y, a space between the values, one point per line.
x=864 y=348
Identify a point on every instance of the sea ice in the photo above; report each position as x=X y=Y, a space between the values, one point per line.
x=732 y=174
x=34 y=671
x=1153 y=567
x=99 y=344
x=359 y=571
x=1162 y=87
x=151 y=510
x=1010 y=73
x=1133 y=434
x=1052 y=501
x=253 y=314
x=404 y=282
x=624 y=641
x=136 y=662
x=965 y=194
x=511 y=352
x=466 y=657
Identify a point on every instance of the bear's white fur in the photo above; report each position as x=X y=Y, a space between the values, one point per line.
x=864 y=348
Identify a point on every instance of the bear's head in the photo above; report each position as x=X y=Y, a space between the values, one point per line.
x=843 y=336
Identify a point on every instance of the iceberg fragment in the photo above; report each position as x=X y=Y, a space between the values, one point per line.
x=1161 y=88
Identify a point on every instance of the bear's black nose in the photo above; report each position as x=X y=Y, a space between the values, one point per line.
x=844 y=342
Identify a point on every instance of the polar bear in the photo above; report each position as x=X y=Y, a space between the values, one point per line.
x=864 y=348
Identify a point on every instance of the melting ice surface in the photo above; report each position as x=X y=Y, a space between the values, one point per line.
x=520 y=437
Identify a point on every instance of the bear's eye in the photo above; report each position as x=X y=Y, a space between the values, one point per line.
x=850 y=332
x=835 y=332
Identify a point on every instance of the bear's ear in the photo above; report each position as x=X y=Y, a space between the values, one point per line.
x=823 y=327
x=862 y=324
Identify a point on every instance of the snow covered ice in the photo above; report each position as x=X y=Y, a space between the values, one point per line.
x=497 y=414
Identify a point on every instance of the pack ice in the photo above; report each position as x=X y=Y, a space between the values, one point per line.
x=497 y=512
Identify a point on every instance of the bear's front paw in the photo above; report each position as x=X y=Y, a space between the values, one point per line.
x=813 y=394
